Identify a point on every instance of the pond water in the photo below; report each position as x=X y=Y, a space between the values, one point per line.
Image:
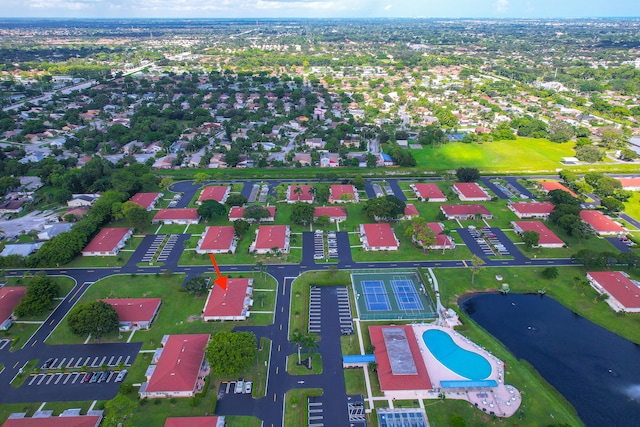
x=594 y=369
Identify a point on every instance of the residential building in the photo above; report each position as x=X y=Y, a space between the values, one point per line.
x=335 y=213
x=601 y=224
x=217 y=192
x=178 y=368
x=410 y=212
x=177 y=216
x=531 y=209
x=624 y=293
x=80 y=200
x=230 y=304
x=300 y=193
x=470 y=192
x=207 y=421
x=465 y=211
x=443 y=241
x=271 y=238
x=428 y=192
x=10 y=297
x=68 y=418
x=378 y=237
x=630 y=184
x=237 y=212
x=147 y=200
x=547 y=186
x=343 y=194
x=217 y=240
x=108 y=242
x=135 y=313
x=548 y=239
x=52 y=230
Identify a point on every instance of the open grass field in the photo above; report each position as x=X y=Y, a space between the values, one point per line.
x=632 y=206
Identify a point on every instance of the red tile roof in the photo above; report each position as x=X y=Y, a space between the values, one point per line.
x=191 y=421
x=134 y=309
x=179 y=364
x=629 y=182
x=69 y=421
x=429 y=191
x=379 y=235
x=222 y=303
x=271 y=236
x=532 y=208
x=10 y=297
x=441 y=239
x=599 y=222
x=411 y=210
x=106 y=240
x=464 y=210
x=388 y=381
x=218 y=238
x=216 y=193
x=547 y=237
x=338 y=190
x=176 y=214
x=237 y=212
x=471 y=190
x=306 y=194
x=619 y=286
x=330 y=211
x=145 y=199
x=555 y=185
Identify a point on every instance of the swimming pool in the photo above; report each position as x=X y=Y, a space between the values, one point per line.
x=463 y=362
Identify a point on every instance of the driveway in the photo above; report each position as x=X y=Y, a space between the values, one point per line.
x=31 y=221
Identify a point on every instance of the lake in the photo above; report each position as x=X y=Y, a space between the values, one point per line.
x=594 y=369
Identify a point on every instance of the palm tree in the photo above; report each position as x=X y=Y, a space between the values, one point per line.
x=310 y=343
x=298 y=338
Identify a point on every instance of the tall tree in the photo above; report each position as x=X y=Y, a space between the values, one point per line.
x=477 y=264
x=120 y=412
x=197 y=286
x=302 y=213
x=95 y=318
x=531 y=238
x=419 y=232
x=229 y=353
x=211 y=209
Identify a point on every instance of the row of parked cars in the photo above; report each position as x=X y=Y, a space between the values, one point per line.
x=102 y=376
x=244 y=387
x=332 y=243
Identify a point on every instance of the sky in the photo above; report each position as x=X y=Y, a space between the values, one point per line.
x=319 y=8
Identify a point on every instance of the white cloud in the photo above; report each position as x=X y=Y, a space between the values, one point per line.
x=387 y=7
x=502 y=5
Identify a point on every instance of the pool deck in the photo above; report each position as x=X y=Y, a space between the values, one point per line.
x=503 y=400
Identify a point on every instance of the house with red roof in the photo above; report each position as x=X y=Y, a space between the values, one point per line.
x=630 y=184
x=335 y=213
x=548 y=239
x=443 y=241
x=343 y=194
x=135 y=313
x=237 y=212
x=10 y=297
x=601 y=224
x=68 y=418
x=400 y=364
x=208 y=421
x=146 y=200
x=217 y=240
x=177 y=216
x=230 y=304
x=178 y=368
x=531 y=209
x=300 y=193
x=410 y=212
x=470 y=192
x=624 y=293
x=219 y=193
x=271 y=237
x=465 y=211
x=428 y=193
x=378 y=237
x=547 y=186
x=108 y=242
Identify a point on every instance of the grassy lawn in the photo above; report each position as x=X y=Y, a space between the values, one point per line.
x=632 y=206
x=179 y=312
x=19 y=333
x=294 y=369
x=9 y=408
x=300 y=294
x=26 y=371
x=354 y=379
x=295 y=408
x=349 y=343
x=580 y=299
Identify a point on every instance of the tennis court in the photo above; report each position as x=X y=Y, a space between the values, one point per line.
x=375 y=296
x=391 y=295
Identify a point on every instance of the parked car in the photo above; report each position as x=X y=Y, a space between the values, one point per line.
x=121 y=375
x=239 y=386
x=248 y=386
x=48 y=363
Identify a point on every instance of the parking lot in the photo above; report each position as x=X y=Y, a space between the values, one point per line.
x=151 y=250
x=167 y=248
x=344 y=311
x=314 y=310
x=72 y=378
x=5 y=343
x=332 y=243
x=89 y=362
x=315 y=411
x=318 y=245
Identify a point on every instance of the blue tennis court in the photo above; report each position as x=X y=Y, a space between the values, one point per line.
x=375 y=295
x=406 y=294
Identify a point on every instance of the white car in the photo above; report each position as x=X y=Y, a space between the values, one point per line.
x=248 y=386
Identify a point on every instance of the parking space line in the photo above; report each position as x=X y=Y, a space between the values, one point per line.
x=33 y=378
x=70 y=362
x=102 y=361
x=62 y=362
x=126 y=362
x=58 y=379
x=118 y=361
x=50 y=378
x=111 y=360
x=67 y=378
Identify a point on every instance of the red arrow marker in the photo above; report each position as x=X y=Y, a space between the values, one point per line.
x=221 y=280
